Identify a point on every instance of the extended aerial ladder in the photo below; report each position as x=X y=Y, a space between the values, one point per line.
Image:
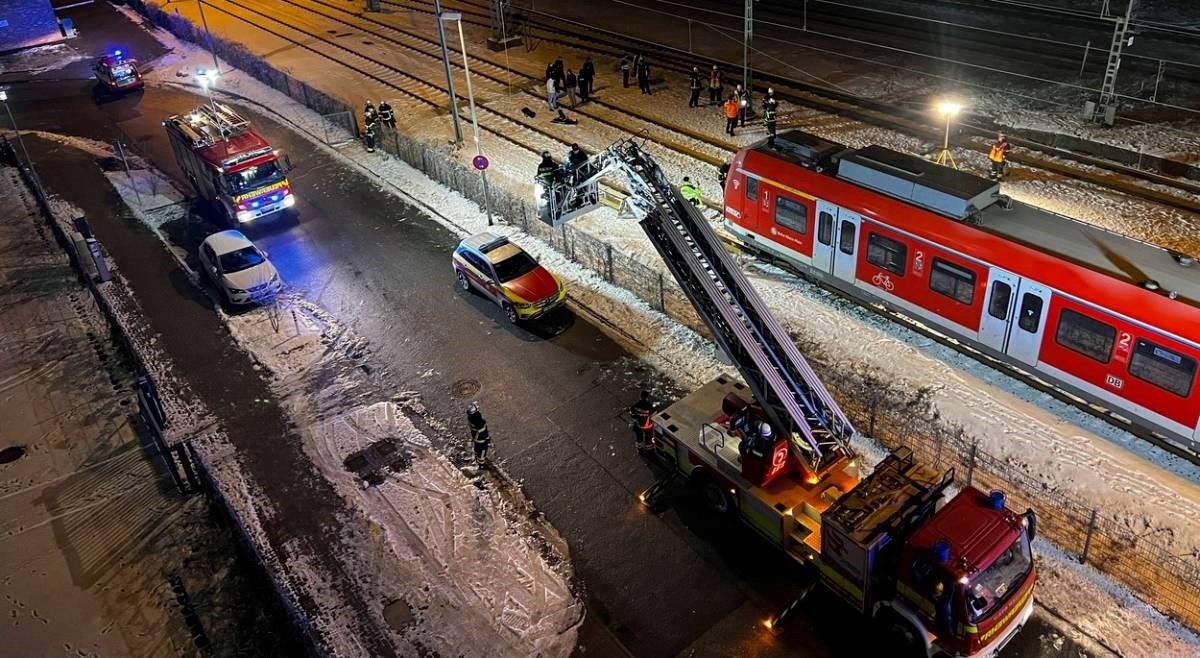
x=792 y=398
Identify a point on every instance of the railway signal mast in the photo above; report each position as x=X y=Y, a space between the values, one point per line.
x=776 y=451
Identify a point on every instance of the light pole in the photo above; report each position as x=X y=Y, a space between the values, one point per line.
x=747 y=70
x=207 y=80
x=949 y=110
x=487 y=201
x=4 y=99
x=437 y=9
x=208 y=35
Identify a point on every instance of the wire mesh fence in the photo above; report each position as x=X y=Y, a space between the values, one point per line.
x=1140 y=558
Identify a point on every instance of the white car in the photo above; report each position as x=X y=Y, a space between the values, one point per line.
x=239 y=269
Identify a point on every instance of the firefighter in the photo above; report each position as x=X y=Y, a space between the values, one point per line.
x=370 y=125
x=999 y=156
x=690 y=191
x=575 y=159
x=731 y=115
x=770 y=105
x=626 y=66
x=723 y=173
x=742 y=95
x=695 y=84
x=547 y=172
x=643 y=76
x=481 y=441
x=386 y=116
x=587 y=74
x=643 y=428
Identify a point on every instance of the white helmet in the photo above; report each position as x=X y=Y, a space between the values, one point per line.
x=473 y=408
x=765 y=430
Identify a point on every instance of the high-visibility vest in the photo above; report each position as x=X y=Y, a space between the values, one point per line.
x=997 y=152
x=731 y=109
x=690 y=191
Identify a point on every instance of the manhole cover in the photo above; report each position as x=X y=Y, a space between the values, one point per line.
x=465 y=388
x=11 y=454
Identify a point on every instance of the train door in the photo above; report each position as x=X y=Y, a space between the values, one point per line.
x=845 y=254
x=823 y=246
x=998 y=309
x=1025 y=337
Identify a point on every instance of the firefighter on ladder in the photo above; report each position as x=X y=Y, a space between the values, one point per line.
x=999 y=156
x=643 y=428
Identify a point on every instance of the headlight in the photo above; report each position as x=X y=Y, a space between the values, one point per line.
x=237 y=291
x=289 y=201
x=245 y=215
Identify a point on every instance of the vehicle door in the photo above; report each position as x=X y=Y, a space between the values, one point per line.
x=998 y=309
x=1029 y=322
x=487 y=276
x=823 y=246
x=845 y=256
x=208 y=262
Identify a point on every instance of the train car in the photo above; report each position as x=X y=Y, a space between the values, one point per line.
x=1106 y=317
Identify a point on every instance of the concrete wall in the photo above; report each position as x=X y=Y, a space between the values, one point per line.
x=25 y=23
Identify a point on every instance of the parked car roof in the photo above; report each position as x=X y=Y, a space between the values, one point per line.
x=227 y=241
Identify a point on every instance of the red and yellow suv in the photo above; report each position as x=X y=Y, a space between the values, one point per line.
x=510 y=277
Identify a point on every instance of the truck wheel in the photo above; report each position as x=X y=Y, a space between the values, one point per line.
x=716 y=496
x=900 y=638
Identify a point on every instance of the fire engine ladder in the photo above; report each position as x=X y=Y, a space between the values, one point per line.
x=791 y=395
x=224 y=118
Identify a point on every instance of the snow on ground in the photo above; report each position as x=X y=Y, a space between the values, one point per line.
x=40 y=59
x=1063 y=447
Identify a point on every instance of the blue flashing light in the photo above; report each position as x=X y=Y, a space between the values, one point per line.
x=117 y=53
x=254 y=204
x=274 y=197
x=941 y=551
x=996 y=498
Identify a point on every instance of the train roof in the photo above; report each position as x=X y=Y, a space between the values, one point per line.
x=963 y=197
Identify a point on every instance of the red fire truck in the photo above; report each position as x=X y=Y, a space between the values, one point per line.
x=116 y=74
x=230 y=165
x=943 y=578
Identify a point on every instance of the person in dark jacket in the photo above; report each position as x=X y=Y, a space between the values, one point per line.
x=643 y=76
x=370 y=126
x=642 y=412
x=626 y=67
x=723 y=174
x=576 y=157
x=571 y=86
x=386 y=116
x=770 y=105
x=481 y=440
x=742 y=96
x=560 y=74
x=695 y=84
x=587 y=73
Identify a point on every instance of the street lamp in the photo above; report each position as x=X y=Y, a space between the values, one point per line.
x=437 y=9
x=211 y=48
x=949 y=110
x=456 y=16
x=4 y=99
x=208 y=80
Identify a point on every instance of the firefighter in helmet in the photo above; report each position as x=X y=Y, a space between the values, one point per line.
x=643 y=428
x=770 y=105
x=998 y=155
x=481 y=440
x=386 y=116
x=370 y=126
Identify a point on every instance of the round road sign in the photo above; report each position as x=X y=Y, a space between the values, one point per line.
x=480 y=162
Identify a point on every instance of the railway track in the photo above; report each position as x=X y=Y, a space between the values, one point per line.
x=331 y=44
x=1040 y=156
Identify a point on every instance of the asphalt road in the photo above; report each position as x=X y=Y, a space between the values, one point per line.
x=554 y=393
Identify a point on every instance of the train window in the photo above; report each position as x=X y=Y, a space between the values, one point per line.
x=891 y=255
x=846 y=238
x=1001 y=296
x=1031 y=313
x=791 y=215
x=751 y=188
x=953 y=281
x=1166 y=369
x=1088 y=336
x=824 y=228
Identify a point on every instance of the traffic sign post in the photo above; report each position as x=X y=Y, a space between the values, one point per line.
x=480 y=162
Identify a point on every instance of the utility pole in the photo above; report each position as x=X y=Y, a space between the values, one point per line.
x=437 y=9
x=208 y=35
x=747 y=72
x=1106 y=109
x=500 y=39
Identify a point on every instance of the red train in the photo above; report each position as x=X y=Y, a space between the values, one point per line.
x=1106 y=317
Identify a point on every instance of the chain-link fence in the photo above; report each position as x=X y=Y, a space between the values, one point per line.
x=1137 y=557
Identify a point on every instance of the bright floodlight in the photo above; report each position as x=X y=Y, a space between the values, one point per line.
x=3 y=96
x=949 y=108
x=207 y=78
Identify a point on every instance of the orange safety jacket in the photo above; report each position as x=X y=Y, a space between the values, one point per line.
x=731 y=109
x=999 y=149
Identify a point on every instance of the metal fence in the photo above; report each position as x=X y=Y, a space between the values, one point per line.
x=1137 y=558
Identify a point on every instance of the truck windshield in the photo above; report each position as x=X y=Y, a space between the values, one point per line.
x=514 y=266
x=995 y=584
x=252 y=178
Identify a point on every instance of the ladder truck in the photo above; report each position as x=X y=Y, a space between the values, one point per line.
x=942 y=578
x=231 y=166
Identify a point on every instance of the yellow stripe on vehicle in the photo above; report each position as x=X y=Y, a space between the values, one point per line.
x=1008 y=616
x=269 y=188
x=911 y=594
x=852 y=590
